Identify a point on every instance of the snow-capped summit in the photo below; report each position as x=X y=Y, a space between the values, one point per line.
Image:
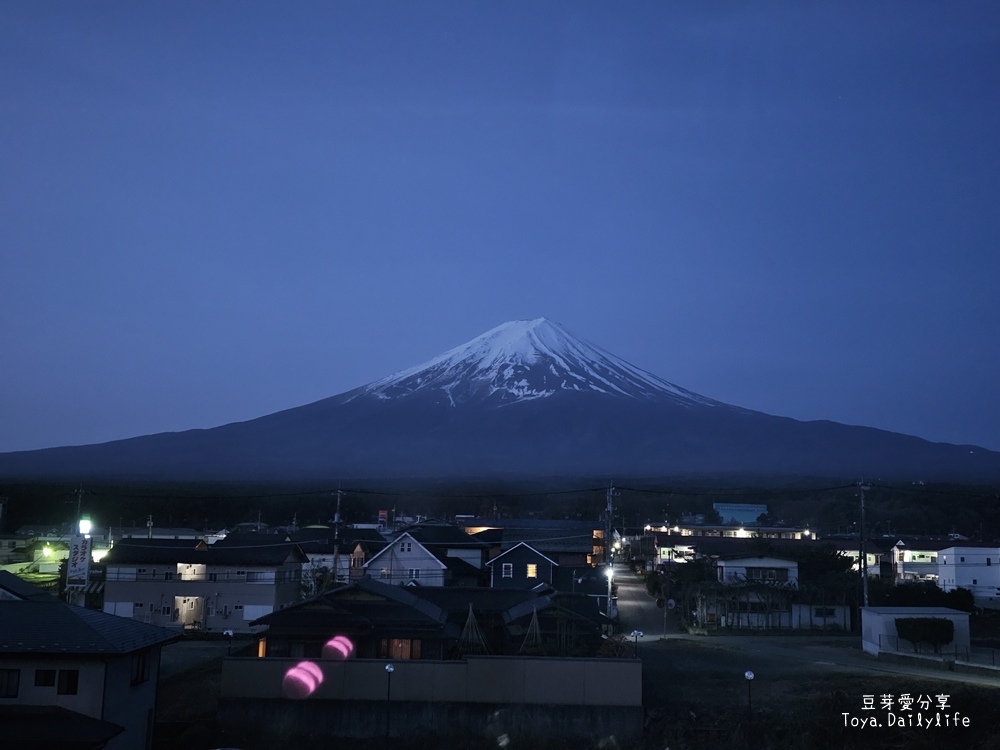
x=526 y=400
x=524 y=360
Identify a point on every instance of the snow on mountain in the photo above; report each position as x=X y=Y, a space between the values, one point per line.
x=523 y=360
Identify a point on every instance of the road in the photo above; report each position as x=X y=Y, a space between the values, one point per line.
x=662 y=648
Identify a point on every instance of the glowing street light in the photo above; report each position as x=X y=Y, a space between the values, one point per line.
x=637 y=634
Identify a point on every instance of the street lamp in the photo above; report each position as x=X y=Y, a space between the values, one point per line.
x=389 y=669
x=637 y=634
x=749 y=677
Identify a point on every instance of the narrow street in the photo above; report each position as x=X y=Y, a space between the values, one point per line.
x=637 y=610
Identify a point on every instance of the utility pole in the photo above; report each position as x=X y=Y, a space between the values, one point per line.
x=79 y=504
x=336 y=536
x=863 y=559
x=607 y=523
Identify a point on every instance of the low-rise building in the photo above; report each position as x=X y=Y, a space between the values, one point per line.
x=192 y=585
x=76 y=662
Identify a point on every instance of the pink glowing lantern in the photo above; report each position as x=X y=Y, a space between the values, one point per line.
x=338 y=647
x=302 y=680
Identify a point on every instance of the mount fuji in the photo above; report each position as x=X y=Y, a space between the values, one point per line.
x=524 y=400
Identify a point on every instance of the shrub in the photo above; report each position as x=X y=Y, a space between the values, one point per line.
x=936 y=631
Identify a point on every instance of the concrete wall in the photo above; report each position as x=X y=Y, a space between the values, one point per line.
x=878 y=628
x=601 y=697
x=486 y=679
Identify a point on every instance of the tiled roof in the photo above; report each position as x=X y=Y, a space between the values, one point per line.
x=444 y=536
x=21 y=589
x=363 y=606
x=265 y=551
x=48 y=626
x=532 y=523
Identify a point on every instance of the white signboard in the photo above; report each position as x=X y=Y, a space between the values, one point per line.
x=78 y=565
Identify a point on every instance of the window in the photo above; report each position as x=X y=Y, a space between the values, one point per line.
x=404 y=546
x=508 y=570
x=399 y=648
x=69 y=682
x=213 y=576
x=237 y=607
x=384 y=574
x=414 y=572
x=165 y=610
x=532 y=570
x=988 y=561
x=168 y=576
x=975 y=582
x=140 y=667
x=45 y=678
x=961 y=559
x=10 y=681
x=241 y=573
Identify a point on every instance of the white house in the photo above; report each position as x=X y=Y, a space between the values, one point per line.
x=973 y=568
x=406 y=560
x=759 y=569
x=61 y=665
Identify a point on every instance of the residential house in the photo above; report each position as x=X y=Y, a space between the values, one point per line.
x=759 y=592
x=408 y=561
x=196 y=586
x=521 y=567
x=569 y=543
x=60 y=664
x=973 y=568
x=334 y=553
x=422 y=622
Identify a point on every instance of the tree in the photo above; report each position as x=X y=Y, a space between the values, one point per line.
x=935 y=631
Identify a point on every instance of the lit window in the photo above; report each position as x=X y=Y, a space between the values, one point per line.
x=532 y=570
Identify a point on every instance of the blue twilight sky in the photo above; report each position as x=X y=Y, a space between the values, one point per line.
x=214 y=211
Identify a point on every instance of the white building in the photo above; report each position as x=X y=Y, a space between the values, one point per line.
x=973 y=568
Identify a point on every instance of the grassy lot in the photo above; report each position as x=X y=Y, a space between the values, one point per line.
x=696 y=697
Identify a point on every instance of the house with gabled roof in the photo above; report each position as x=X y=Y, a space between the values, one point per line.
x=425 y=622
x=192 y=585
x=381 y=621
x=334 y=555
x=408 y=561
x=449 y=539
x=94 y=673
x=570 y=543
x=521 y=567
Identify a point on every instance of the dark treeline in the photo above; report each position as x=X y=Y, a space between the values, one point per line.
x=824 y=506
